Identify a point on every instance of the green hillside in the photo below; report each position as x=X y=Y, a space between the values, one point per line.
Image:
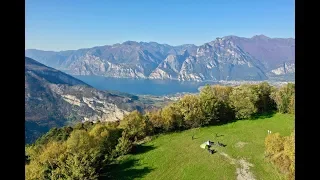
x=177 y=156
x=165 y=143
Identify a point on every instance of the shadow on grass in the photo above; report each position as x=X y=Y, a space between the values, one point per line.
x=140 y=149
x=219 y=135
x=257 y=116
x=124 y=170
x=263 y=115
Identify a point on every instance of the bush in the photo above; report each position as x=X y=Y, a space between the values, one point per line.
x=274 y=143
x=281 y=152
x=289 y=150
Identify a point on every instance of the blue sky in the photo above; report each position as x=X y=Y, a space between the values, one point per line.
x=75 y=24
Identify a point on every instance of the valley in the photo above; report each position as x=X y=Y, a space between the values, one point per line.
x=159 y=90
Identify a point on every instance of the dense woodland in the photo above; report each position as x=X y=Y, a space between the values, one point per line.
x=85 y=150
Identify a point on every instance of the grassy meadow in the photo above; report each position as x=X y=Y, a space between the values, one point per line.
x=176 y=156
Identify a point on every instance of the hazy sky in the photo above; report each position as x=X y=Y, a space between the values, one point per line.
x=75 y=24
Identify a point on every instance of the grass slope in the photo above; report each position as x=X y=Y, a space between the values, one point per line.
x=177 y=156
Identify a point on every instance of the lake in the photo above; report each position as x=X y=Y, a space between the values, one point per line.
x=142 y=86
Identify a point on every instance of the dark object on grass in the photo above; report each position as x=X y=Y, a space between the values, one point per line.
x=210 y=143
x=219 y=135
x=211 y=151
x=192 y=137
x=220 y=144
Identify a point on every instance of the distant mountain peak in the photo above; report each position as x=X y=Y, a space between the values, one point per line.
x=230 y=37
x=130 y=43
x=261 y=36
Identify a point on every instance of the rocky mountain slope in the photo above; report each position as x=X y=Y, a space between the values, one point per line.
x=227 y=58
x=54 y=99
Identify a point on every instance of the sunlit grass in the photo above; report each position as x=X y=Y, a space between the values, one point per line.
x=177 y=156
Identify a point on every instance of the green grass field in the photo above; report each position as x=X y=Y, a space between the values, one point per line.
x=177 y=156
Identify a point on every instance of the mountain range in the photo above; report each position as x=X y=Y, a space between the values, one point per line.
x=55 y=99
x=226 y=58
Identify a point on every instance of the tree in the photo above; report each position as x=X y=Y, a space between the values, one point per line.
x=135 y=125
x=284 y=97
x=88 y=125
x=124 y=146
x=243 y=99
x=264 y=103
x=225 y=112
x=291 y=108
x=172 y=118
x=34 y=170
x=155 y=119
x=222 y=92
x=54 y=134
x=81 y=156
x=46 y=161
x=209 y=104
x=84 y=157
x=192 y=111
x=106 y=136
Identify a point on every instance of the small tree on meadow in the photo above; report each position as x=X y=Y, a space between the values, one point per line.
x=264 y=103
x=172 y=118
x=135 y=125
x=243 y=99
x=225 y=111
x=192 y=112
x=284 y=97
x=209 y=103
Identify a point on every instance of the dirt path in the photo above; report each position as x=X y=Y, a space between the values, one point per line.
x=240 y=144
x=243 y=172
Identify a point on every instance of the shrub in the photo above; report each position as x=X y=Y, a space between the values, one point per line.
x=281 y=152
x=274 y=143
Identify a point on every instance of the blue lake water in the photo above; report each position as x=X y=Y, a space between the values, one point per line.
x=142 y=86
